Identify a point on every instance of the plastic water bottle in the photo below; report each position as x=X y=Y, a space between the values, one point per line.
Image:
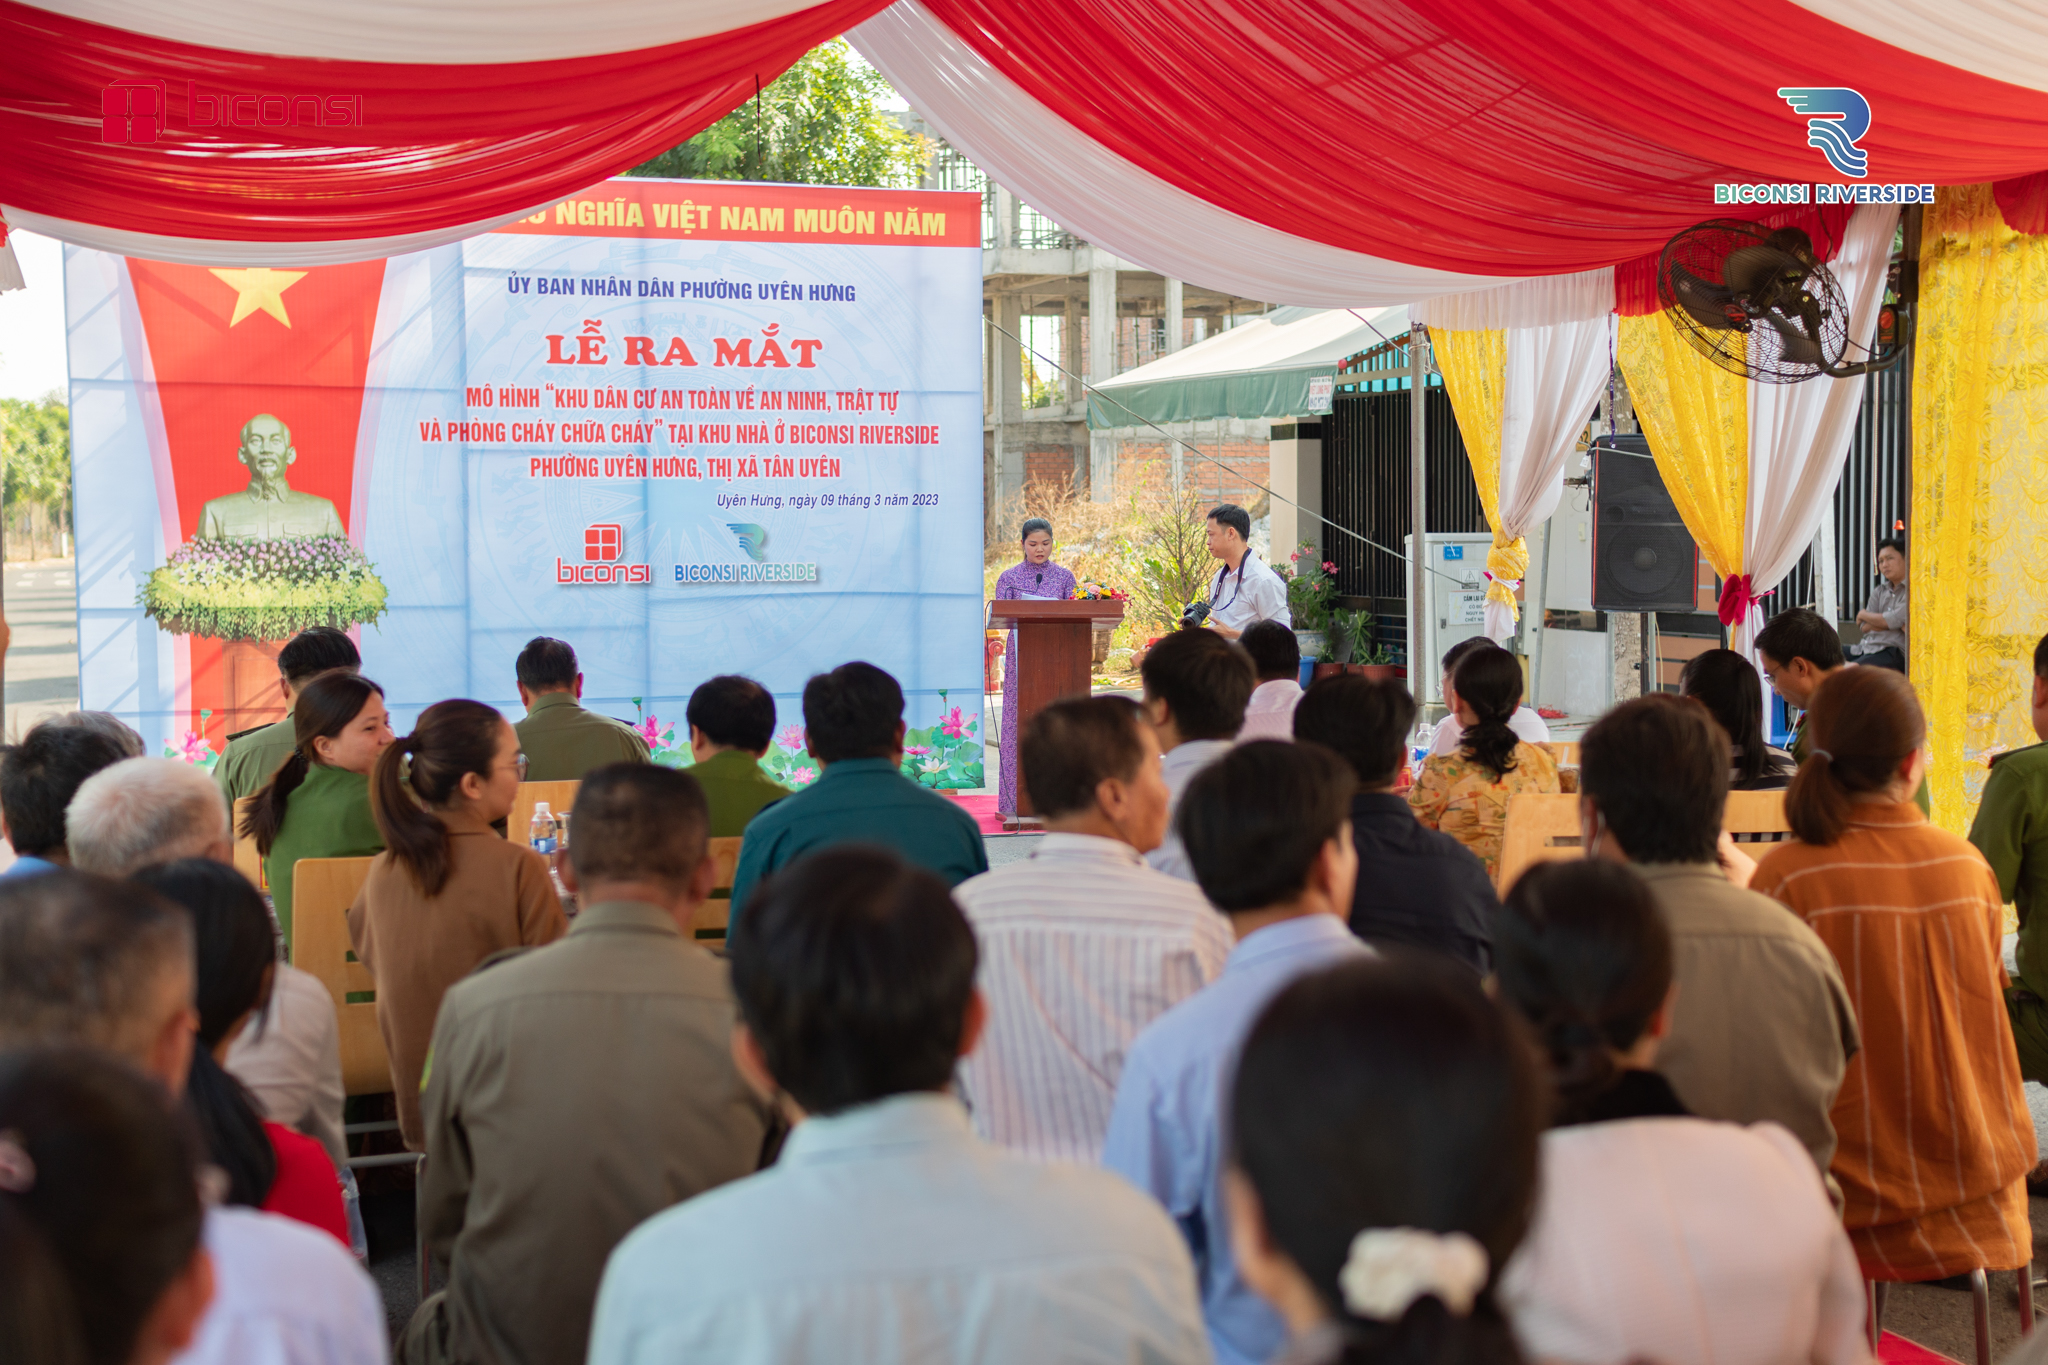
x=540 y=835
x=1418 y=747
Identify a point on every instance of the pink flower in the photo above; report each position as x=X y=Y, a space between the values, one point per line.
x=803 y=777
x=917 y=750
x=793 y=737
x=194 y=748
x=952 y=724
x=650 y=730
x=1329 y=567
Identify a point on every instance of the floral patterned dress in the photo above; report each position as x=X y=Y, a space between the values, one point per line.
x=1466 y=801
x=1024 y=580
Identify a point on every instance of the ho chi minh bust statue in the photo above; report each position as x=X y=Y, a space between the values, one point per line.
x=269 y=508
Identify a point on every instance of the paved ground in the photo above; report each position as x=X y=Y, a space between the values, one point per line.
x=42 y=660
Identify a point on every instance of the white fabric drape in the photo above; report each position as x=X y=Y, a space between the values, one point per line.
x=2006 y=40
x=202 y=251
x=1799 y=433
x=1116 y=205
x=1554 y=376
x=1537 y=302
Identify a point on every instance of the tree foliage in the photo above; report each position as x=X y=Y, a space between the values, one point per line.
x=819 y=123
x=35 y=441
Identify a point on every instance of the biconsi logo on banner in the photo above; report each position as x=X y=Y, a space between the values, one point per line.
x=604 y=543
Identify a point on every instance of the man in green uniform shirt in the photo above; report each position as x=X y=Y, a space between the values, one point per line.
x=732 y=722
x=853 y=717
x=560 y=739
x=1800 y=650
x=252 y=756
x=2011 y=831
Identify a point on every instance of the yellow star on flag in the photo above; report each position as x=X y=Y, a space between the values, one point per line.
x=260 y=287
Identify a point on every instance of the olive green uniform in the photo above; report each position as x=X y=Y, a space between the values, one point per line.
x=252 y=758
x=562 y=741
x=736 y=790
x=2011 y=831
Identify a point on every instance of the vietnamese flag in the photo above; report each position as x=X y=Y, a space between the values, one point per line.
x=227 y=344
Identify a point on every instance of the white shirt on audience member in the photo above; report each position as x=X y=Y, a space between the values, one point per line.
x=1687 y=1242
x=1250 y=593
x=290 y=1060
x=1527 y=725
x=285 y=1294
x=1082 y=946
x=1178 y=766
x=1270 y=712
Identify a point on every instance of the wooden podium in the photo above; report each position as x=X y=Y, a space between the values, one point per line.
x=1055 y=651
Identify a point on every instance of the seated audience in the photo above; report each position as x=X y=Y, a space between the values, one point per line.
x=1276 y=659
x=1658 y=1236
x=1912 y=914
x=581 y=1088
x=1728 y=686
x=100 y=1233
x=1416 y=887
x=447 y=891
x=1798 y=649
x=886 y=1231
x=2011 y=831
x=289 y=1060
x=105 y=723
x=38 y=778
x=1082 y=945
x=253 y=756
x=1384 y=1129
x=318 y=803
x=562 y=740
x=268 y=1165
x=732 y=723
x=1268 y=828
x=1196 y=687
x=1465 y=793
x=1527 y=724
x=1762 y=1028
x=854 y=718
x=143 y=811
x=88 y=960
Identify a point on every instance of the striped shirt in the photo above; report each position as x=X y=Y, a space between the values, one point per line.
x=1082 y=946
x=1932 y=1129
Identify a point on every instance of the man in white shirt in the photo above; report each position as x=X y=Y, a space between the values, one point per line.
x=1276 y=657
x=1525 y=722
x=1244 y=590
x=887 y=1231
x=1082 y=945
x=92 y=961
x=1196 y=686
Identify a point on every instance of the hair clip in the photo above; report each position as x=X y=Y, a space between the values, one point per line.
x=17 y=1169
x=1390 y=1268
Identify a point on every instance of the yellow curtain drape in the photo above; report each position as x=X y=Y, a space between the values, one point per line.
x=1980 y=489
x=1475 y=369
x=1696 y=416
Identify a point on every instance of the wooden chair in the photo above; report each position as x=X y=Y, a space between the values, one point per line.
x=560 y=796
x=1541 y=827
x=1564 y=753
x=1756 y=817
x=715 y=913
x=322 y=891
x=248 y=861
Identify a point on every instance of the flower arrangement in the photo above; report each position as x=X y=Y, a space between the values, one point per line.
x=1095 y=592
x=1311 y=589
x=263 y=589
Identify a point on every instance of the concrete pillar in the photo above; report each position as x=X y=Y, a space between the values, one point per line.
x=1006 y=218
x=1009 y=414
x=1102 y=318
x=1173 y=323
x=1296 y=478
x=1070 y=349
x=1102 y=447
x=1625 y=638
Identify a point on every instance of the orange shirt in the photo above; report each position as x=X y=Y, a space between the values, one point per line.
x=1933 y=1135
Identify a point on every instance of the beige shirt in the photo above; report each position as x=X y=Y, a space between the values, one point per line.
x=576 y=1091
x=498 y=896
x=1762 y=1028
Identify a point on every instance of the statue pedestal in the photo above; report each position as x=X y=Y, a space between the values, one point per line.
x=250 y=692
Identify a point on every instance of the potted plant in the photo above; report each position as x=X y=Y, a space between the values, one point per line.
x=1311 y=591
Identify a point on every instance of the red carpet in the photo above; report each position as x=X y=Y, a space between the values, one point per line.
x=983 y=809
x=1893 y=1349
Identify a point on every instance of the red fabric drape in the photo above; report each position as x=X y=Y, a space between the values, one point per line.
x=1635 y=281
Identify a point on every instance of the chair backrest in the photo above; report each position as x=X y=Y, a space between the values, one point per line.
x=1564 y=753
x=715 y=913
x=1541 y=827
x=322 y=891
x=248 y=861
x=560 y=796
x=1756 y=814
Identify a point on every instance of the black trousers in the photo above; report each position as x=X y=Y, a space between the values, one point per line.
x=1888 y=657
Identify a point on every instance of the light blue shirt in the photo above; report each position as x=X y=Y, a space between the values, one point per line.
x=890 y=1233
x=28 y=865
x=1166 y=1132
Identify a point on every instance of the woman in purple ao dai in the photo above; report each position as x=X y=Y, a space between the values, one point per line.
x=1037 y=576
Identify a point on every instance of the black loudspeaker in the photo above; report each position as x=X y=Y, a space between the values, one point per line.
x=1643 y=557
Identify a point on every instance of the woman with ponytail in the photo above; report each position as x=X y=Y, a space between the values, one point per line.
x=1385 y=1118
x=1465 y=794
x=1659 y=1236
x=100 y=1220
x=318 y=803
x=268 y=1166
x=1913 y=914
x=448 y=891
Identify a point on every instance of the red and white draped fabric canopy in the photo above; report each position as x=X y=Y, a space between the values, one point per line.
x=1315 y=151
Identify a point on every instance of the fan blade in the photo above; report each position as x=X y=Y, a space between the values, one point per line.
x=1707 y=304
x=1794 y=345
